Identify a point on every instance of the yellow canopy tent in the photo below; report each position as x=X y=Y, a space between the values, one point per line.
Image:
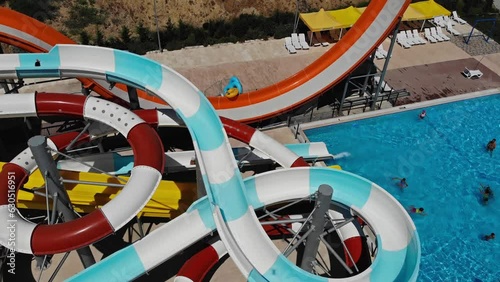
x=424 y=10
x=345 y=17
x=318 y=21
x=412 y=14
x=430 y=9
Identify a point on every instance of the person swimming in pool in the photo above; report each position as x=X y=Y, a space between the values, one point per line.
x=491 y=146
x=402 y=182
x=489 y=237
x=486 y=192
x=420 y=211
x=422 y=114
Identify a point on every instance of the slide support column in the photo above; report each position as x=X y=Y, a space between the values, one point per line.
x=318 y=222
x=54 y=186
x=386 y=64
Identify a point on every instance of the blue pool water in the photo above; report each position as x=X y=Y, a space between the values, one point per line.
x=444 y=160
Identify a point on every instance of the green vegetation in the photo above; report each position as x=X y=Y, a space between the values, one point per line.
x=82 y=14
x=180 y=35
x=41 y=10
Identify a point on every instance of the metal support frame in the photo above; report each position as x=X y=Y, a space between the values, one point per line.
x=296 y=17
x=318 y=222
x=490 y=31
x=386 y=64
x=423 y=25
x=48 y=168
x=343 y=94
x=133 y=98
x=368 y=75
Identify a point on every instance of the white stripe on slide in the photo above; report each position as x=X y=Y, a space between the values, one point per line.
x=111 y=114
x=18 y=105
x=183 y=231
x=82 y=57
x=133 y=196
x=219 y=164
x=22 y=231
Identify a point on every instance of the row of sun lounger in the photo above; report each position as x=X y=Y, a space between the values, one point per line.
x=296 y=42
x=447 y=23
x=409 y=38
x=443 y=21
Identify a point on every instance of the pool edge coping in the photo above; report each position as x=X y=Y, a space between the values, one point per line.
x=397 y=109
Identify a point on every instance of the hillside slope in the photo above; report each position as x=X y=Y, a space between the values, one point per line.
x=118 y=13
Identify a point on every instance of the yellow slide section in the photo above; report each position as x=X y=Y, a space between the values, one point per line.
x=169 y=200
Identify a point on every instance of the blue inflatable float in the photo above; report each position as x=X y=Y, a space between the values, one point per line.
x=233 y=88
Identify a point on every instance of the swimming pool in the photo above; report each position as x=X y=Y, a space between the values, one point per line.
x=444 y=159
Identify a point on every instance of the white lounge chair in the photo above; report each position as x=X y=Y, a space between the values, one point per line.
x=295 y=41
x=402 y=41
x=456 y=18
x=320 y=39
x=378 y=55
x=403 y=36
x=436 y=35
x=382 y=51
x=451 y=30
x=439 y=21
x=441 y=33
x=448 y=20
x=472 y=74
x=428 y=36
x=417 y=36
x=289 y=45
x=409 y=37
x=303 y=42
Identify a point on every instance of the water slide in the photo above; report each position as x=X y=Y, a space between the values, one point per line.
x=119 y=164
x=227 y=207
x=146 y=173
x=368 y=32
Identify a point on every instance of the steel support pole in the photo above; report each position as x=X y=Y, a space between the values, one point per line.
x=157 y=28
x=368 y=75
x=318 y=222
x=340 y=113
x=48 y=168
x=200 y=186
x=133 y=97
x=386 y=64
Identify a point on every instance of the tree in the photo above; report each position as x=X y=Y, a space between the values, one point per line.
x=99 y=37
x=84 y=38
x=39 y=9
x=142 y=32
x=82 y=14
x=125 y=35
